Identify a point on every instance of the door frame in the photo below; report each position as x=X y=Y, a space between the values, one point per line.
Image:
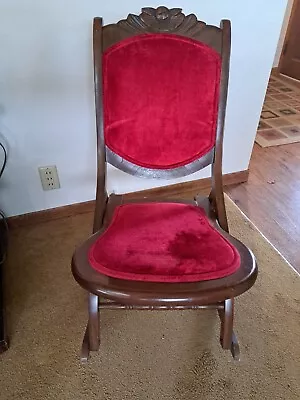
x=287 y=32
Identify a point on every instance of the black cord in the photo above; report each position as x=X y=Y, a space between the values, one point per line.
x=5 y=159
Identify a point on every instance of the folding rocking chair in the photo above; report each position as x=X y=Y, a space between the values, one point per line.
x=161 y=83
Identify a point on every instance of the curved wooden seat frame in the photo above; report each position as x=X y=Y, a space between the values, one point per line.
x=216 y=294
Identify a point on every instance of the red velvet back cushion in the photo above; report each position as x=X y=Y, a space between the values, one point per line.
x=160 y=99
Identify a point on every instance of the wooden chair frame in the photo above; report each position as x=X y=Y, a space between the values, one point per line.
x=121 y=294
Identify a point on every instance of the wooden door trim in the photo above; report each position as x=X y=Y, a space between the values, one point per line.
x=172 y=191
x=287 y=33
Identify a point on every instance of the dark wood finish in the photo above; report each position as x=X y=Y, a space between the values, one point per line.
x=160 y=20
x=85 y=348
x=147 y=295
x=217 y=194
x=118 y=306
x=226 y=315
x=289 y=63
x=93 y=323
x=270 y=198
x=217 y=293
x=101 y=195
x=187 y=190
x=163 y=294
x=227 y=337
x=172 y=21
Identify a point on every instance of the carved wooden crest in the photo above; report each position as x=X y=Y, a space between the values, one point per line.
x=163 y=19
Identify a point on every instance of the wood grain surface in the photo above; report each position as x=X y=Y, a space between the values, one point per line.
x=271 y=197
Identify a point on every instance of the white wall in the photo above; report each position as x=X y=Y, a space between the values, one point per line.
x=46 y=90
x=283 y=32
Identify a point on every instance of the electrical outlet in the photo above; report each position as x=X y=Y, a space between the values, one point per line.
x=49 y=177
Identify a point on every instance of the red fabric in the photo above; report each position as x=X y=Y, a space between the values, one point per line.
x=163 y=242
x=160 y=99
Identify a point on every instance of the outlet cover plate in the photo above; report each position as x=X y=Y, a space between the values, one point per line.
x=49 y=177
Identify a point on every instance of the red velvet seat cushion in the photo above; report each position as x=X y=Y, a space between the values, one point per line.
x=160 y=99
x=163 y=242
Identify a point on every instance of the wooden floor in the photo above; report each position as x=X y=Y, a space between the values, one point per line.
x=271 y=197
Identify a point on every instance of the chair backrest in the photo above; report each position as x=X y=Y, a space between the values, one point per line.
x=161 y=91
x=161 y=87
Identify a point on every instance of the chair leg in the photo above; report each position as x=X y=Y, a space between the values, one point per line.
x=93 y=324
x=85 y=349
x=91 y=340
x=228 y=338
x=226 y=317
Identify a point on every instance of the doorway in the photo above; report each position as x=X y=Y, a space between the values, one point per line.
x=289 y=62
x=270 y=197
x=280 y=117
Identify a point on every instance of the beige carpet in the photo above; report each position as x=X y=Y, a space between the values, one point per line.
x=144 y=355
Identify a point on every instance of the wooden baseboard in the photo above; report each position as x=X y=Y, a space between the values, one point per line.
x=288 y=80
x=183 y=190
x=51 y=214
x=284 y=78
x=191 y=188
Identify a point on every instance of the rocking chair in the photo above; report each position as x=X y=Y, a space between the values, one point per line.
x=161 y=83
